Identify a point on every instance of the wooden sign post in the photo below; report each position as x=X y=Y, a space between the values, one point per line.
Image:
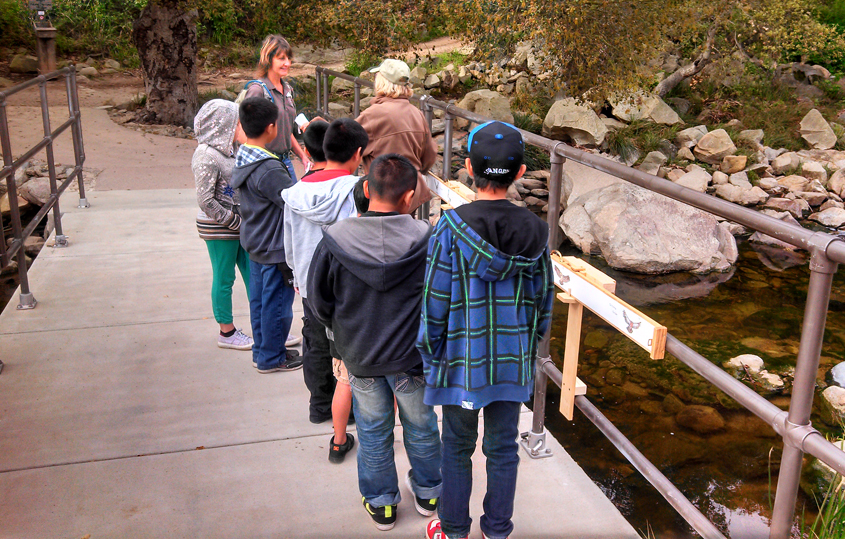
x=582 y=286
x=585 y=286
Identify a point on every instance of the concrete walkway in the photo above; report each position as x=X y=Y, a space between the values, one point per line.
x=119 y=416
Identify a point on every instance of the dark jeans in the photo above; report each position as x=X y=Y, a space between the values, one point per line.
x=460 y=432
x=317 y=365
x=271 y=314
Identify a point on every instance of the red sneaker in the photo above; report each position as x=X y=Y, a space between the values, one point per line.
x=432 y=531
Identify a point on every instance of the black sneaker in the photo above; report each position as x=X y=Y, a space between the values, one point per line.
x=292 y=363
x=384 y=518
x=338 y=452
x=425 y=506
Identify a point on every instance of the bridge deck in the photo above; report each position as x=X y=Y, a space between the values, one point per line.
x=119 y=417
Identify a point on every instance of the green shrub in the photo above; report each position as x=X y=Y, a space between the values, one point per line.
x=14 y=20
x=97 y=27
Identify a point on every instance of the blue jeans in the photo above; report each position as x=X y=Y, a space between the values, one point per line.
x=287 y=162
x=372 y=402
x=271 y=313
x=460 y=432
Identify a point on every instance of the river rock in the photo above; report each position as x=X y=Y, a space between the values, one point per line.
x=92 y=72
x=689 y=137
x=340 y=110
x=794 y=183
x=431 y=81
x=675 y=174
x=486 y=103
x=685 y=154
x=697 y=179
x=36 y=191
x=23 y=63
x=339 y=85
x=769 y=381
x=111 y=64
x=745 y=363
x=830 y=203
x=652 y=162
x=818 y=479
x=814 y=171
x=642 y=106
x=701 y=419
x=740 y=179
x=833 y=405
x=740 y=195
x=836 y=183
x=418 y=75
x=714 y=146
x=720 y=178
x=759 y=237
x=640 y=231
x=567 y=120
x=817 y=132
x=754 y=137
x=831 y=217
x=785 y=162
x=813 y=198
x=838 y=374
x=733 y=163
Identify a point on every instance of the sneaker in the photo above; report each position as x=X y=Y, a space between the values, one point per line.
x=425 y=507
x=432 y=531
x=238 y=341
x=292 y=340
x=338 y=452
x=292 y=363
x=485 y=537
x=384 y=518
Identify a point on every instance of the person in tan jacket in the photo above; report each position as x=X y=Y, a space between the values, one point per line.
x=394 y=125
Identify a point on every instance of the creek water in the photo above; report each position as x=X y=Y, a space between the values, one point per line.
x=756 y=308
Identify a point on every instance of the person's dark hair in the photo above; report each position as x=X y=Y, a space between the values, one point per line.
x=362 y=203
x=313 y=139
x=343 y=138
x=256 y=113
x=391 y=176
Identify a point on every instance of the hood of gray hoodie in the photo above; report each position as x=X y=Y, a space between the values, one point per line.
x=381 y=251
x=215 y=125
x=322 y=202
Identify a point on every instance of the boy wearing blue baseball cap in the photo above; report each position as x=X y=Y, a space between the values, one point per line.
x=487 y=301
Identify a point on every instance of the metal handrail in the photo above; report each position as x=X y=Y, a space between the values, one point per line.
x=19 y=233
x=794 y=426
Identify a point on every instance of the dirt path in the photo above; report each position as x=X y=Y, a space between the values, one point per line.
x=129 y=159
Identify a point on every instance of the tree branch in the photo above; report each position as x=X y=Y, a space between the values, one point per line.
x=667 y=84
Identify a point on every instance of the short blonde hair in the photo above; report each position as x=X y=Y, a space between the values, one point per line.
x=386 y=88
x=273 y=46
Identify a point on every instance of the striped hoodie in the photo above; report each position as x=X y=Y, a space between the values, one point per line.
x=483 y=313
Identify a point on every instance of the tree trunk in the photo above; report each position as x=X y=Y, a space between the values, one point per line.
x=669 y=83
x=165 y=35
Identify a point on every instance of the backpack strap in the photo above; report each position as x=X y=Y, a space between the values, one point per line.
x=266 y=89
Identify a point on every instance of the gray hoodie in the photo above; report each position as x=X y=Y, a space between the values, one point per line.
x=212 y=165
x=309 y=206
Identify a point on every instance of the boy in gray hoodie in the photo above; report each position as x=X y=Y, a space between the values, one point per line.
x=319 y=200
x=260 y=178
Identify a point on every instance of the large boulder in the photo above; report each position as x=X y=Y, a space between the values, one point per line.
x=641 y=106
x=640 y=231
x=23 y=63
x=36 y=191
x=817 y=132
x=567 y=120
x=714 y=146
x=486 y=103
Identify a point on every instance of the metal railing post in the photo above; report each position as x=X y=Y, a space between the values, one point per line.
x=428 y=110
x=822 y=270
x=325 y=92
x=60 y=240
x=555 y=189
x=76 y=133
x=447 y=147
x=27 y=300
x=318 y=103
x=356 y=105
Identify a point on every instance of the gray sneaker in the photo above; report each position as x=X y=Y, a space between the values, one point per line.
x=238 y=341
x=292 y=341
x=292 y=363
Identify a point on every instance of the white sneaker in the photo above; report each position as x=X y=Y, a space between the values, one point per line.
x=292 y=340
x=238 y=341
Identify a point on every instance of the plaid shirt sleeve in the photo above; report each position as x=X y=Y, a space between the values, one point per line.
x=545 y=294
x=436 y=298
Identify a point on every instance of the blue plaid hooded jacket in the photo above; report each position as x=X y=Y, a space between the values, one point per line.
x=483 y=313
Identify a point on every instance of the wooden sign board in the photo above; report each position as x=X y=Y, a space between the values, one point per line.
x=452 y=192
x=572 y=277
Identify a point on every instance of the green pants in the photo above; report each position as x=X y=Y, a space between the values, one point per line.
x=225 y=255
